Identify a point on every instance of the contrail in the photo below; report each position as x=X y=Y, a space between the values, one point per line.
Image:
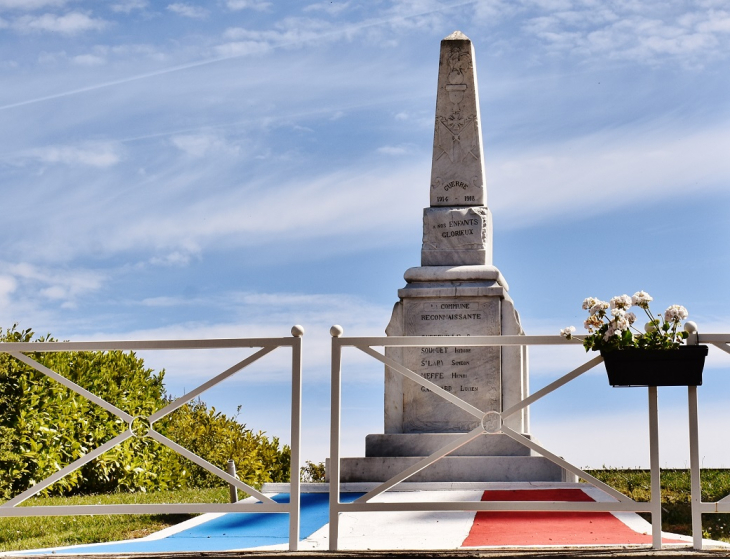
x=344 y=31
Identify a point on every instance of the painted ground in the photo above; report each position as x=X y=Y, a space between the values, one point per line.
x=406 y=530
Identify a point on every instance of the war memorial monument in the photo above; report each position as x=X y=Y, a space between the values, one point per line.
x=456 y=291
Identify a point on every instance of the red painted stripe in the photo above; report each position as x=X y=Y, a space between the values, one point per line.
x=499 y=528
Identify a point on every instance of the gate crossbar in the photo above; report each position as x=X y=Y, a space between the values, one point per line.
x=364 y=503
x=265 y=505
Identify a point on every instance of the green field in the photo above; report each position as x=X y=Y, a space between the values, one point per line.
x=31 y=533
x=676 y=514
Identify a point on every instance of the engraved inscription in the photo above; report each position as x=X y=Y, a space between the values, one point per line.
x=455 y=229
x=471 y=373
x=454 y=184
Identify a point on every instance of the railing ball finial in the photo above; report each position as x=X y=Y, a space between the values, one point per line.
x=336 y=331
x=690 y=327
x=297 y=331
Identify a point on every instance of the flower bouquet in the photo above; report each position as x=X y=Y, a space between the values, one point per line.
x=655 y=357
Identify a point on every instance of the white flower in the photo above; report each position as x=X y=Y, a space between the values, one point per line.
x=568 y=332
x=618 y=312
x=620 y=323
x=592 y=322
x=611 y=332
x=675 y=313
x=589 y=302
x=621 y=302
x=631 y=317
x=600 y=307
x=642 y=299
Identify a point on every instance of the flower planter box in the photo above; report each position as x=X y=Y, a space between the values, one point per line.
x=656 y=367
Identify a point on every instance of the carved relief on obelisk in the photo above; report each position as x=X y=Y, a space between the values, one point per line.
x=457 y=173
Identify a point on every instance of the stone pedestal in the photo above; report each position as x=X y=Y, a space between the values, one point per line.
x=457 y=301
x=454 y=301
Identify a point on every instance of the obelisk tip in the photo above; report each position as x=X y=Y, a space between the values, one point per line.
x=456 y=36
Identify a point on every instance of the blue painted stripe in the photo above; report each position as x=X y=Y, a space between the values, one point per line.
x=234 y=530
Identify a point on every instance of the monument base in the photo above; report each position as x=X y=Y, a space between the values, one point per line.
x=488 y=458
x=454 y=469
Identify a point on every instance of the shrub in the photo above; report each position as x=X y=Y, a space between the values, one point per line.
x=45 y=426
x=312 y=473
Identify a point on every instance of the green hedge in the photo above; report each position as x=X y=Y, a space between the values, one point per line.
x=44 y=426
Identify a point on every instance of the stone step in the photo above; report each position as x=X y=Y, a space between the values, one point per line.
x=425 y=444
x=453 y=469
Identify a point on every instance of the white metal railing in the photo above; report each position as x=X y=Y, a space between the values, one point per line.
x=266 y=504
x=492 y=422
x=720 y=341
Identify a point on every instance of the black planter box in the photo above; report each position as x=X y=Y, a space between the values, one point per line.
x=656 y=367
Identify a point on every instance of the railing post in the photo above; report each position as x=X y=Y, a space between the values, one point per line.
x=231 y=469
x=334 y=469
x=656 y=487
x=694 y=468
x=296 y=439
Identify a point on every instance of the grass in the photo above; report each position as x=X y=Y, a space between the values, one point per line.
x=676 y=508
x=52 y=531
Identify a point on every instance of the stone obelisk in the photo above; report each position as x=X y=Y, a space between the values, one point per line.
x=455 y=292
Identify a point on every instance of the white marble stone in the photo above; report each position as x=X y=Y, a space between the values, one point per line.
x=455 y=273
x=425 y=444
x=515 y=385
x=457 y=171
x=471 y=373
x=456 y=236
x=454 y=469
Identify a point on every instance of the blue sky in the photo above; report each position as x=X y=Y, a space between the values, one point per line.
x=232 y=168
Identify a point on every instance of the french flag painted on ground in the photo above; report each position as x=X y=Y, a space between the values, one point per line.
x=401 y=530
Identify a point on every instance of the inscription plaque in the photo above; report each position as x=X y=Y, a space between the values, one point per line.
x=471 y=373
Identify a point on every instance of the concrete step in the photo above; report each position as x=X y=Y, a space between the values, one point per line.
x=425 y=444
x=453 y=469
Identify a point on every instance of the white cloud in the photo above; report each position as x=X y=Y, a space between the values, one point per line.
x=715 y=22
x=332 y=8
x=240 y=48
x=128 y=5
x=60 y=285
x=199 y=145
x=175 y=258
x=636 y=34
x=7 y=286
x=188 y=10
x=596 y=173
x=288 y=31
x=92 y=154
x=29 y=4
x=88 y=60
x=51 y=57
x=236 y=5
x=393 y=150
x=68 y=24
